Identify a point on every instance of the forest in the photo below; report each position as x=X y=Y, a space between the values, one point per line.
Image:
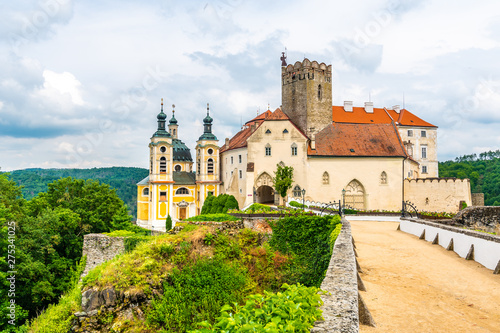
x=482 y=169
x=122 y=179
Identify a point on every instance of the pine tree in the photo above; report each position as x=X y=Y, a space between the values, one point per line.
x=168 y=223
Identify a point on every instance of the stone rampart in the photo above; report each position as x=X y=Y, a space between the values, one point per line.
x=438 y=194
x=486 y=218
x=100 y=248
x=477 y=199
x=340 y=308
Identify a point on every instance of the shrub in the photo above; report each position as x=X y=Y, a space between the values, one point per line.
x=293 y=310
x=168 y=223
x=212 y=217
x=196 y=294
x=207 y=205
x=231 y=203
x=308 y=238
x=257 y=206
x=296 y=204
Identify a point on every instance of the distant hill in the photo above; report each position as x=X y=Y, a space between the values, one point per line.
x=483 y=170
x=123 y=179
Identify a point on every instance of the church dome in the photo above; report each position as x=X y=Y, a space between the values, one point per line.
x=181 y=151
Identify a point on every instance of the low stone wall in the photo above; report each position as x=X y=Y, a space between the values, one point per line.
x=100 y=248
x=486 y=218
x=340 y=308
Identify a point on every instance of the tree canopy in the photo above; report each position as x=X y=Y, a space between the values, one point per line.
x=283 y=179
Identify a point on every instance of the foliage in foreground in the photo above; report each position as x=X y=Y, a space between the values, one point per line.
x=283 y=178
x=212 y=217
x=293 y=310
x=219 y=204
x=309 y=239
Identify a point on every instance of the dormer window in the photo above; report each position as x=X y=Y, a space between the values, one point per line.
x=285 y=131
x=268 y=131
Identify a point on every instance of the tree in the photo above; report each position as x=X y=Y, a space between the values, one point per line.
x=207 y=205
x=283 y=178
x=168 y=223
x=231 y=203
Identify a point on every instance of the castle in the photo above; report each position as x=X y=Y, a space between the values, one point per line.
x=373 y=158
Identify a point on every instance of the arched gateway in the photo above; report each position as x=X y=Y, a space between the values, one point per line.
x=355 y=195
x=264 y=189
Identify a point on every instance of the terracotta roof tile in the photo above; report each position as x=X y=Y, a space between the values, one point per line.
x=406 y=118
x=360 y=116
x=379 y=116
x=341 y=139
x=239 y=140
x=277 y=115
x=260 y=117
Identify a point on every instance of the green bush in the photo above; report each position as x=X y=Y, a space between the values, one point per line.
x=296 y=204
x=195 y=294
x=207 y=205
x=293 y=310
x=231 y=203
x=309 y=238
x=257 y=206
x=168 y=223
x=213 y=217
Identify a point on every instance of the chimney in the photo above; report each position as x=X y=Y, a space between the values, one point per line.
x=313 y=141
x=348 y=106
x=396 y=108
x=369 y=107
x=227 y=143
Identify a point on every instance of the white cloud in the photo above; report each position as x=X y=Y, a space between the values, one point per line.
x=57 y=85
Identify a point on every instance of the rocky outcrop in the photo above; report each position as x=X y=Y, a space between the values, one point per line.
x=486 y=218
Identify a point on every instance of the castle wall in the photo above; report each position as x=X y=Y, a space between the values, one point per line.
x=230 y=172
x=429 y=140
x=100 y=248
x=438 y=194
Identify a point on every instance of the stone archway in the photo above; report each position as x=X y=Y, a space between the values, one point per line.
x=264 y=191
x=355 y=195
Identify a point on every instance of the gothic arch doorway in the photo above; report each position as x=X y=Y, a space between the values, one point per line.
x=264 y=191
x=355 y=195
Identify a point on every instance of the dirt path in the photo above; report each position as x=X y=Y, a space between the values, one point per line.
x=414 y=286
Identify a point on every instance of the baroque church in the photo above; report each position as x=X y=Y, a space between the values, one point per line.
x=372 y=158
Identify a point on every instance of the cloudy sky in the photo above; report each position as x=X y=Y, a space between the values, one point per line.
x=81 y=81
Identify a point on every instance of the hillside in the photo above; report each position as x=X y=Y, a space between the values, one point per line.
x=123 y=179
x=483 y=170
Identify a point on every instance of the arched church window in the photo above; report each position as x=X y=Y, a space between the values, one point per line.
x=319 y=92
x=210 y=166
x=145 y=192
x=178 y=167
x=182 y=191
x=294 y=149
x=297 y=191
x=163 y=165
x=268 y=150
x=383 y=178
x=326 y=178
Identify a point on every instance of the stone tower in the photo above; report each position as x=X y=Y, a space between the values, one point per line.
x=306 y=94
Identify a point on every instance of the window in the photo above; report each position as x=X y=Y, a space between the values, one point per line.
x=268 y=131
x=163 y=165
x=210 y=151
x=145 y=192
x=209 y=193
x=163 y=196
x=151 y=166
x=294 y=149
x=424 y=168
x=285 y=131
x=239 y=158
x=268 y=150
x=241 y=174
x=163 y=149
x=383 y=178
x=424 y=152
x=410 y=132
x=198 y=167
x=297 y=191
x=231 y=160
x=319 y=92
x=173 y=132
x=178 y=167
x=326 y=178
x=423 y=134
x=210 y=166
x=181 y=191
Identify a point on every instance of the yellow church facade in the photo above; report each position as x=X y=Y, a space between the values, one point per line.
x=173 y=187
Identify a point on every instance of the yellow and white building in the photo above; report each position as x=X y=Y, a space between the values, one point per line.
x=173 y=187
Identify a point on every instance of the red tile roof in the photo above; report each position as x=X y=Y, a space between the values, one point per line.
x=277 y=115
x=239 y=140
x=342 y=139
x=260 y=117
x=406 y=118
x=379 y=116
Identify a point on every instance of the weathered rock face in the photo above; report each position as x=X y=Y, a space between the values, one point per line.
x=485 y=218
